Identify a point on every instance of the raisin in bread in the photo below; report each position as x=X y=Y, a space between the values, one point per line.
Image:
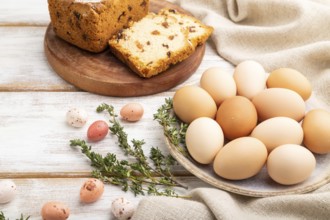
x=89 y=24
x=198 y=32
x=152 y=44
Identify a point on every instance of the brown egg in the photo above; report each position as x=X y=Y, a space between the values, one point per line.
x=277 y=131
x=97 y=130
x=290 y=79
x=218 y=83
x=132 y=112
x=191 y=102
x=275 y=102
x=204 y=138
x=91 y=190
x=237 y=117
x=55 y=211
x=316 y=127
x=250 y=78
x=240 y=159
x=290 y=164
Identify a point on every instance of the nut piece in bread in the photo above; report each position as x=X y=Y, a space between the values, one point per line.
x=89 y=24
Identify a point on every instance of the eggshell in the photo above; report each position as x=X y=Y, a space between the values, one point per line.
x=55 y=211
x=219 y=84
x=97 y=130
x=132 y=112
x=191 y=102
x=8 y=191
x=122 y=208
x=76 y=117
x=240 y=159
x=250 y=78
x=204 y=138
x=275 y=102
x=290 y=79
x=316 y=126
x=290 y=164
x=237 y=117
x=91 y=190
x=277 y=131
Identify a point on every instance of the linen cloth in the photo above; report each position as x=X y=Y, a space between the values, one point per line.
x=275 y=33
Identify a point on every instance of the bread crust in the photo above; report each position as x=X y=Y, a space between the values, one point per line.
x=90 y=25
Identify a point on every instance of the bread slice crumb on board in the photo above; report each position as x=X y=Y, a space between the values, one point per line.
x=153 y=44
x=198 y=32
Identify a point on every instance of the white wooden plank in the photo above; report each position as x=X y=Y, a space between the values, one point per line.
x=34 y=137
x=24 y=12
x=33 y=193
x=23 y=62
x=24 y=66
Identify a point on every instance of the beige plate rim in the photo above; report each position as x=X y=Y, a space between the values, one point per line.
x=259 y=186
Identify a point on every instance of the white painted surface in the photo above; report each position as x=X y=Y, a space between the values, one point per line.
x=34 y=137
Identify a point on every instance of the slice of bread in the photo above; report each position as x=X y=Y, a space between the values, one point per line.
x=153 y=44
x=198 y=32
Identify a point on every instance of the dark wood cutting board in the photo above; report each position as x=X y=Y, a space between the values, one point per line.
x=104 y=74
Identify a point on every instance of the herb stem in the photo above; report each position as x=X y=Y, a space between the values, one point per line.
x=2 y=217
x=174 y=129
x=135 y=174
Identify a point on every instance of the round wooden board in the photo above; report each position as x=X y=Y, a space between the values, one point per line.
x=104 y=74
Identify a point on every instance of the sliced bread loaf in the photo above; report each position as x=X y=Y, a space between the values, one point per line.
x=89 y=24
x=151 y=45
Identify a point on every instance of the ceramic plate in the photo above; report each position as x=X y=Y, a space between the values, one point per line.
x=260 y=185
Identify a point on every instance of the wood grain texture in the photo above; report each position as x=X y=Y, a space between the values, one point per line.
x=24 y=13
x=104 y=74
x=35 y=138
x=33 y=193
x=23 y=63
x=24 y=66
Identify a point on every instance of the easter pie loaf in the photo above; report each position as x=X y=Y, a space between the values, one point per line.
x=89 y=24
x=154 y=43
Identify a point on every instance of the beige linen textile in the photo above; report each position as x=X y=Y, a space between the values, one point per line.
x=276 y=33
x=209 y=203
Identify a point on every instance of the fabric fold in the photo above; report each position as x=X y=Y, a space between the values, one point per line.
x=210 y=203
x=294 y=34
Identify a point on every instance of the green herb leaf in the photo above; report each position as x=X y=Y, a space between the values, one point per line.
x=174 y=129
x=135 y=174
x=2 y=217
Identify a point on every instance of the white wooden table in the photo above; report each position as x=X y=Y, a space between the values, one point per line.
x=34 y=137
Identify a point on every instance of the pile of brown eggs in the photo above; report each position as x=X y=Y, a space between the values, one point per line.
x=244 y=121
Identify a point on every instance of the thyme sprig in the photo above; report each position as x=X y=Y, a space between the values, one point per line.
x=2 y=217
x=135 y=174
x=174 y=129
